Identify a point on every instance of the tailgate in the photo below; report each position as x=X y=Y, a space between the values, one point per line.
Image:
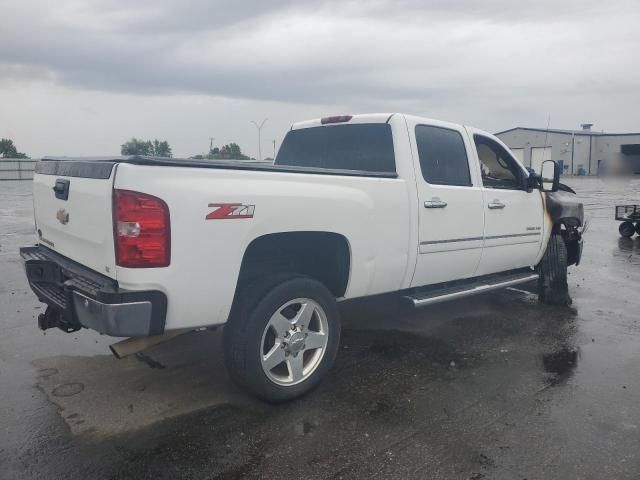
x=72 y=203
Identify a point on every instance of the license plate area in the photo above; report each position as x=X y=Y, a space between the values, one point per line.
x=44 y=272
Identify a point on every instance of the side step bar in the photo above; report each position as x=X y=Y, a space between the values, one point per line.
x=474 y=287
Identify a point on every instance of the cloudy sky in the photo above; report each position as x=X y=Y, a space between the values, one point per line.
x=79 y=77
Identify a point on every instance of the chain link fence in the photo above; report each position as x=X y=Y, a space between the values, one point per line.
x=17 y=168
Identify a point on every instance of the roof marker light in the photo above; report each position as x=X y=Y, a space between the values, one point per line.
x=335 y=119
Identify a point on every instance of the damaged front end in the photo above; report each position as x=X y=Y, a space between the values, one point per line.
x=566 y=215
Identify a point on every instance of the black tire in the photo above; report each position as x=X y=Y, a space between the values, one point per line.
x=627 y=229
x=243 y=334
x=554 y=289
x=638 y=228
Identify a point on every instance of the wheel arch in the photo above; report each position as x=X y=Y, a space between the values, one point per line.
x=568 y=228
x=325 y=256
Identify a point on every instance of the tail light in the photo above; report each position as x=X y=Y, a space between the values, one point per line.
x=141 y=229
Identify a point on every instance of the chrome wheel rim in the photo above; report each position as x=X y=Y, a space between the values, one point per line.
x=294 y=342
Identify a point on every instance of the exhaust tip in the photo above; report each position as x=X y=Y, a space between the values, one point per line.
x=115 y=351
x=132 y=345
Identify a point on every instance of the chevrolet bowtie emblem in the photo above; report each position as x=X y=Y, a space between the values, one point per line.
x=62 y=216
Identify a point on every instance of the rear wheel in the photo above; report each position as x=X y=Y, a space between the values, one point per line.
x=284 y=337
x=627 y=229
x=554 y=289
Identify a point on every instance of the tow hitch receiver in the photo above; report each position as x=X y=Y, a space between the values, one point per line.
x=52 y=318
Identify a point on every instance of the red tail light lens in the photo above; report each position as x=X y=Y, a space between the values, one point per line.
x=141 y=229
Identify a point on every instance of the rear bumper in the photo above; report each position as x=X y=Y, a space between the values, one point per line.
x=80 y=297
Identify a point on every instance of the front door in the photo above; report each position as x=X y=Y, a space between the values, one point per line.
x=451 y=217
x=513 y=227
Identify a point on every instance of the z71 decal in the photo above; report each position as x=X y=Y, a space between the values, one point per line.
x=230 y=211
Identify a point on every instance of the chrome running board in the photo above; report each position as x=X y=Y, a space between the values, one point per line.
x=432 y=295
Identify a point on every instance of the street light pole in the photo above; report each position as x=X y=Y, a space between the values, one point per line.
x=259 y=127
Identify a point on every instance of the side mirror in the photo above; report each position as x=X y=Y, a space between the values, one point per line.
x=550 y=176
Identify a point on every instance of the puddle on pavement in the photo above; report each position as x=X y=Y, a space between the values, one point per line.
x=395 y=344
x=385 y=383
x=629 y=250
x=68 y=389
x=561 y=363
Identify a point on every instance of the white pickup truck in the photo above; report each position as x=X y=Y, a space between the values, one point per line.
x=352 y=206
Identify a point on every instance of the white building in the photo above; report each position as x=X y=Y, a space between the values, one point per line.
x=579 y=152
x=16 y=168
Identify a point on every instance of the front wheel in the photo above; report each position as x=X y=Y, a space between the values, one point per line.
x=283 y=338
x=553 y=287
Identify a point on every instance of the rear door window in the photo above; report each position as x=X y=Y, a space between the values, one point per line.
x=443 y=156
x=366 y=147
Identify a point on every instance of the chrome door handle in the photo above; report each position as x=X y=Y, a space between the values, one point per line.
x=496 y=205
x=435 y=202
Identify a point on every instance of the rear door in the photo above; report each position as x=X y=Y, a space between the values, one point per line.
x=73 y=208
x=513 y=215
x=451 y=217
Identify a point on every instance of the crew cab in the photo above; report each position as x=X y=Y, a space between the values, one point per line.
x=353 y=206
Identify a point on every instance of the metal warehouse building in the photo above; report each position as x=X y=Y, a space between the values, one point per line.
x=579 y=152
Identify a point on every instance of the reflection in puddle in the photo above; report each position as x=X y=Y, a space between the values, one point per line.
x=629 y=249
x=561 y=363
x=627 y=244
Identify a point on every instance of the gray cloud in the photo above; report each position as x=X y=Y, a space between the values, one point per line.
x=320 y=50
x=497 y=59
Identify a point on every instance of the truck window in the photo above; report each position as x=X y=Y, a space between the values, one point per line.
x=499 y=169
x=366 y=147
x=443 y=157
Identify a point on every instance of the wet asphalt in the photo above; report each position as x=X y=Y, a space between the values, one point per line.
x=492 y=387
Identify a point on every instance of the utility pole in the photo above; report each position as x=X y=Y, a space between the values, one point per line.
x=274 y=149
x=259 y=127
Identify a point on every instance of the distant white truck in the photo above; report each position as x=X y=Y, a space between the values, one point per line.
x=353 y=206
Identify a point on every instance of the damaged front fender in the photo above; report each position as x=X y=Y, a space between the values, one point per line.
x=566 y=215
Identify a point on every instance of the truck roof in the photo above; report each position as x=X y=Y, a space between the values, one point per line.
x=359 y=118
x=367 y=118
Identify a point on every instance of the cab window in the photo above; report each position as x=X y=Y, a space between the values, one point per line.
x=364 y=147
x=498 y=168
x=443 y=157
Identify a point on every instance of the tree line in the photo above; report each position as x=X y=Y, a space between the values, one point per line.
x=157 y=148
x=9 y=150
x=150 y=148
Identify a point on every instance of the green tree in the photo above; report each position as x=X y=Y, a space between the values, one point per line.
x=230 y=151
x=162 y=149
x=9 y=150
x=135 y=147
x=156 y=148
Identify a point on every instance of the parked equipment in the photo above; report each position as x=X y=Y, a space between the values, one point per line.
x=629 y=215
